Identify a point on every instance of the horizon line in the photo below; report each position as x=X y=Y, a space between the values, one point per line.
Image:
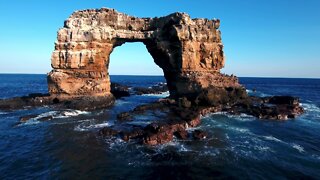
x=276 y=77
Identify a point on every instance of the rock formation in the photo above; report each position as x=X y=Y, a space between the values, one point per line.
x=189 y=51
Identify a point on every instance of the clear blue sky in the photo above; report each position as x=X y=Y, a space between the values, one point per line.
x=274 y=38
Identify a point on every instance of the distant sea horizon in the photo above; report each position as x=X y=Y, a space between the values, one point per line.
x=273 y=77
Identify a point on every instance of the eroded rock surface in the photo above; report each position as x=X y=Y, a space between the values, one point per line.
x=189 y=51
x=173 y=120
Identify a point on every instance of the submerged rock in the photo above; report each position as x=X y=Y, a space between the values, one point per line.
x=157 y=89
x=75 y=102
x=119 y=90
x=199 y=134
x=27 y=117
x=125 y=116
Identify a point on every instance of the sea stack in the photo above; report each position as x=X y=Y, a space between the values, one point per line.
x=189 y=51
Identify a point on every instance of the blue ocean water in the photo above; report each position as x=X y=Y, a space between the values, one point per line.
x=238 y=146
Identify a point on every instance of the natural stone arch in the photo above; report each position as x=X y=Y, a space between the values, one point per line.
x=189 y=51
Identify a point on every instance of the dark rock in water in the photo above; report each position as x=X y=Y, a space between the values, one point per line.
x=198 y=134
x=157 y=89
x=181 y=134
x=108 y=131
x=87 y=102
x=275 y=107
x=160 y=137
x=35 y=116
x=178 y=118
x=76 y=102
x=27 y=118
x=46 y=118
x=184 y=102
x=119 y=90
x=288 y=100
x=31 y=100
x=160 y=87
x=134 y=134
x=125 y=116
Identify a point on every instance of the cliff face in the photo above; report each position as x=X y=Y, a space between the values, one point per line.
x=189 y=51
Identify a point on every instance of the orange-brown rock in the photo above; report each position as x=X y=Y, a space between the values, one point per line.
x=189 y=51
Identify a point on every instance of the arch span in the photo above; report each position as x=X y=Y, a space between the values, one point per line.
x=133 y=59
x=189 y=51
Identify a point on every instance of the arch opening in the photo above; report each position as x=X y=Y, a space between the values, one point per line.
x=132 y=58
x=133 y=70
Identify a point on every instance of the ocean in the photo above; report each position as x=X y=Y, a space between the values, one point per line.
x=239 y=147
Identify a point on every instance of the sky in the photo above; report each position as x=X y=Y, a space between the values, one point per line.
x=262 y=38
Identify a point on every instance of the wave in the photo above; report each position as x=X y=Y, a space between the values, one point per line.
x=70 y=113
x=120 y=102
x=241 y=117
x=262 y=148
x=161 y=95
x=54 y=115
x=271 y=138
x=242 y=130
x=71 y=122
x=87 y=127
x=297 y=147
x=30 y=122
x=310 y=107
x=256 y=93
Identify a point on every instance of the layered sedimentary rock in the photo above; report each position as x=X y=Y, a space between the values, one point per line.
x=189 y=51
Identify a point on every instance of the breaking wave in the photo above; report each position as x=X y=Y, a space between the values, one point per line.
x=311 y=107
x=271 y=138
x=69 y=113
x=87 y=126
x=298 y=147
x=161 y=95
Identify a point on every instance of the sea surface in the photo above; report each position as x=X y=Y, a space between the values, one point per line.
x=241 y=147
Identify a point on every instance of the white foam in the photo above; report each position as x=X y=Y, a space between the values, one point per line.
x=70 y=113
x=161 y=95
x=79 y=128
x=182 y=148
x=106 y=124
x=242 y=130
x=87 y=127
x=262 y=148
x=121 y=102
x=256 y=93
x=249 y=91
x=298 y=147
x=46 y=114
x=271 y=138
x=3 y=112
x=242 y=117
x=310 y=107
x=71 y=122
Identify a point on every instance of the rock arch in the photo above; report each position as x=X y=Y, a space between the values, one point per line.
x=189 y=51
x=132 y=58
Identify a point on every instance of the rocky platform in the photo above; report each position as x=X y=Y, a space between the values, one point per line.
x=170 y=117
x=173 y=118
